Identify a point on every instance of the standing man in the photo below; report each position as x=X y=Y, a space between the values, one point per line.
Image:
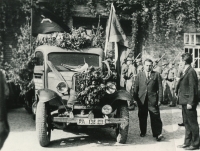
x=140 y=67
x=171 y=82
x=4 y=127
x=126 y=59
x=187 y=91
x=130 y=75
x=164 y=74
x=178 y=76
x=148 y=94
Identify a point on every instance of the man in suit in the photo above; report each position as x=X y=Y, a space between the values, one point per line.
x=148 y=95
x=187 y=92
x=4 y=127
x=178 y=75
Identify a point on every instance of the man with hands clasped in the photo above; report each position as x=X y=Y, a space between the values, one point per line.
x=187 y=92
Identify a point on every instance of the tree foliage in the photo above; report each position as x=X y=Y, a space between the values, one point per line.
x=163 y=21
x=167 y=17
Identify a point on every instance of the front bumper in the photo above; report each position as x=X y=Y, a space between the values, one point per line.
x=87 y=121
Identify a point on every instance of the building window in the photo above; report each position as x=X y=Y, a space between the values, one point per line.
x=186 y=39
x=192 y=38
x=192 y=46
x=197 y=39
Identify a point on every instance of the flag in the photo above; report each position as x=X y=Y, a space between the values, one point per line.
x=114 y=31
x=45 y=22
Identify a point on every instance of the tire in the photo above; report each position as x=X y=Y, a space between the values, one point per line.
x=34 y=109
x=43 y=127
x=122 y=129
x=29 y=98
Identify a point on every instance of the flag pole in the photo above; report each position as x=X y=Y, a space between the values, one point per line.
x=108 y=30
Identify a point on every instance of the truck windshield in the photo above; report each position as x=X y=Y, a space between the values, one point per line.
x=73 y=59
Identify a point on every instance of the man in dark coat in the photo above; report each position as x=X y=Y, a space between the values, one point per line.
x=148 y=95
x=4 y=128
x=187 y=92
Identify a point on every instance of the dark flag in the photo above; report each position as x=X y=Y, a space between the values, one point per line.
x=45 y=22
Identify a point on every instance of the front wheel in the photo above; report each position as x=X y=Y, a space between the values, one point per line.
x=43 y=127
x=122 y=129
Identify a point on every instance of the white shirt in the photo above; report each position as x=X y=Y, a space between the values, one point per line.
x=148 y=74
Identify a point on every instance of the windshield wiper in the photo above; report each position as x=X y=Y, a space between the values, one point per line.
x=68 y=67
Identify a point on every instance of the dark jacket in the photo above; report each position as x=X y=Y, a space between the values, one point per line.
x=4 y=127
x=187 y=87
x=151 y=88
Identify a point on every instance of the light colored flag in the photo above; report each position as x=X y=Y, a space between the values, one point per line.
x=114 y=32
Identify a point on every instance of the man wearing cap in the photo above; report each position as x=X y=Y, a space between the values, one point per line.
x=139 y=65
x=131 y=72
x=164 y=75
x=187 y=92
x=128 y=70
x=171 y=82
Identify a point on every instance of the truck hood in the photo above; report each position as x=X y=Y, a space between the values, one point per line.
x=68 y=76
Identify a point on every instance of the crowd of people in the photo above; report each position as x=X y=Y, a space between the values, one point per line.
x=153 y=84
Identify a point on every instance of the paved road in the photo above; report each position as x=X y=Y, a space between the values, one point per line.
x=23 y=136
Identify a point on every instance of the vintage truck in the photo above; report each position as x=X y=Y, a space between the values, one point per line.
x=71 y=89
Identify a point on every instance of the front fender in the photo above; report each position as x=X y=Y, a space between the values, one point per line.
x=47 y=95
x=123 y=95
x=117 y=98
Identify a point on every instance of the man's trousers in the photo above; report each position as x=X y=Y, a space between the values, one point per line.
x=156 y=123
x=191 y=126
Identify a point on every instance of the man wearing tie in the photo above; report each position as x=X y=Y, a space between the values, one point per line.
x=148 y=95
x=187 y=92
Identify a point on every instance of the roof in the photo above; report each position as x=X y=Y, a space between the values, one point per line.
x=46 y=49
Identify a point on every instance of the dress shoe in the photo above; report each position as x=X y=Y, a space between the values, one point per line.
x=183 y=146
x=159 y=137
x=191 y=148
x=171 y=105
x=181 y=124
x=142 y=135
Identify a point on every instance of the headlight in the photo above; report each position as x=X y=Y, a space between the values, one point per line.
x=62 y=87
x=110 y=88
x=106 y=109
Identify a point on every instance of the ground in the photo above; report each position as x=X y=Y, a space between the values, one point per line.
x=23 y=136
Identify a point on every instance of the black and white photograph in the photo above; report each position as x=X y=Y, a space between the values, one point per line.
x=82 y=75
